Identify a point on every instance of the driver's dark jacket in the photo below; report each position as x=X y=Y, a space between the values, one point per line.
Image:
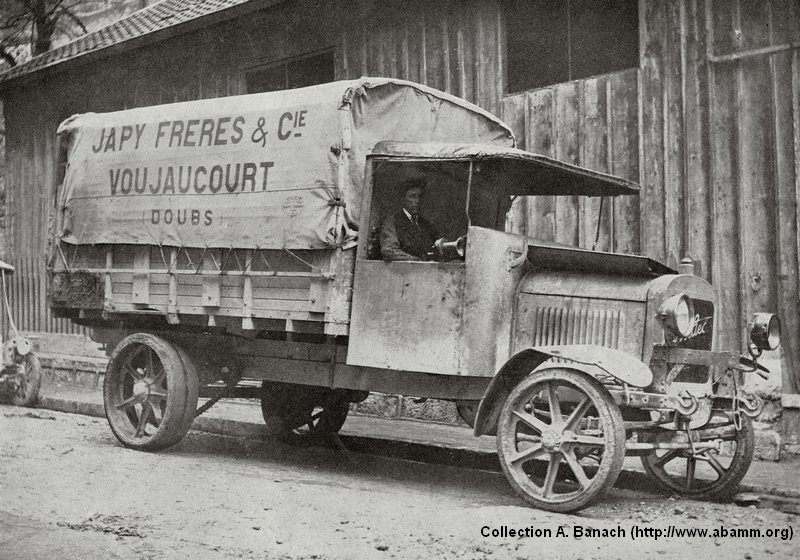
x=404 y=240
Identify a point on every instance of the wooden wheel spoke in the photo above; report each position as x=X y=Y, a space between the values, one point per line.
x=526 y=455
x=578 y=413
x=128 y=369
x=155 y=415
x=531 y=420
x=143 y=418
x=577 y=469
x=158 y=395
x=715 y=464
x=151 y=368
x=550 y=477
x=159 y=378
x=666 y=458
x=555 y=406
x=691 y=462
x=127 y=403
x=589 y=440
x=133 y=358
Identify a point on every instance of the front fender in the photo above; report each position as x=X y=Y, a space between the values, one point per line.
x=594 y=360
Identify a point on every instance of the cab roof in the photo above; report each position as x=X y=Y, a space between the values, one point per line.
x=521 y=173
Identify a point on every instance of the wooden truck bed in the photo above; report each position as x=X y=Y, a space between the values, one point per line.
x=303 y=291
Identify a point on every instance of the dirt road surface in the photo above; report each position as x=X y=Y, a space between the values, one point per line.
x=69 y=490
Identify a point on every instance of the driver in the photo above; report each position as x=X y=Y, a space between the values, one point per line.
x=405 y=235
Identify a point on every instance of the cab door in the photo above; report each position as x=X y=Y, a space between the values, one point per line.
x=404 y=315
x=407 y=316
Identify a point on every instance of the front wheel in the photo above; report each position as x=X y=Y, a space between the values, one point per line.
x=705 y=474
x=560 y=439
x=149 y=392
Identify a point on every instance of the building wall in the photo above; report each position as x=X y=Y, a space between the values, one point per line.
x=452 y=45
x=716 y=105
x=592 y=123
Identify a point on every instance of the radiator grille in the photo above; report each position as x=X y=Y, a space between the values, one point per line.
x=556 y=325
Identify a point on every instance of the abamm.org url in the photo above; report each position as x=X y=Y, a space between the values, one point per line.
x=637 y=532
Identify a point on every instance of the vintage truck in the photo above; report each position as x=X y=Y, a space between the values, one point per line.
x=228 y=248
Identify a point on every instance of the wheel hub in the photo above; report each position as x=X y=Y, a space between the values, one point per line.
x=551 y=441
x=141 y=390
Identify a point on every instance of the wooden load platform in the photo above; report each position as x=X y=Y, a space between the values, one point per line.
x=283 y=290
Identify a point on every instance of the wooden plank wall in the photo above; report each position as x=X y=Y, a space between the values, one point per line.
x=453 y=45
x=719 y=137
x=26 y=293
x=713 y=137
x=752 y=52
x=593 y=123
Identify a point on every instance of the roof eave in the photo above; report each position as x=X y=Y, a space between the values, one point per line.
x=140 y=41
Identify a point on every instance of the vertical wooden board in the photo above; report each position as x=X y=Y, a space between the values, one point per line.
x=37 y=208
x=211 y=279
x=566 y=111
x=541 y=210
x=722 y=17
x=785 y=22
x=754 y=24
x=512 y=111
x=141 y=278
x=433 y=59
x=725 y=195
x=403 y=62
x=594 y=155
x=488 y=71
x=757 y=183
x=459 y=54
x=624 y=143
x=449 y=81
x=652 y=22
x=699 y=234
x=674 y=141
x=786 y=97
x=416 y=47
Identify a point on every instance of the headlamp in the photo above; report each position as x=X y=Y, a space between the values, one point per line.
x=677 y=313
x=765 y=332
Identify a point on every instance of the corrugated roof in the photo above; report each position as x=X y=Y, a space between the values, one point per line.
x=162 y=15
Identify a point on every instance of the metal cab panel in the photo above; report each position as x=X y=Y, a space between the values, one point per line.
x=407 y=316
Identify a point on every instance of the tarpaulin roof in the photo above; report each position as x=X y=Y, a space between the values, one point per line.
x=271 y=170
x=516 y=171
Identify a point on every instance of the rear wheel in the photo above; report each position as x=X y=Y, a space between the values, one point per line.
x=150 y=392
x=705 y=474
x=467 y=411
x=284 y=406
x=560 y=439
x=329 y=416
